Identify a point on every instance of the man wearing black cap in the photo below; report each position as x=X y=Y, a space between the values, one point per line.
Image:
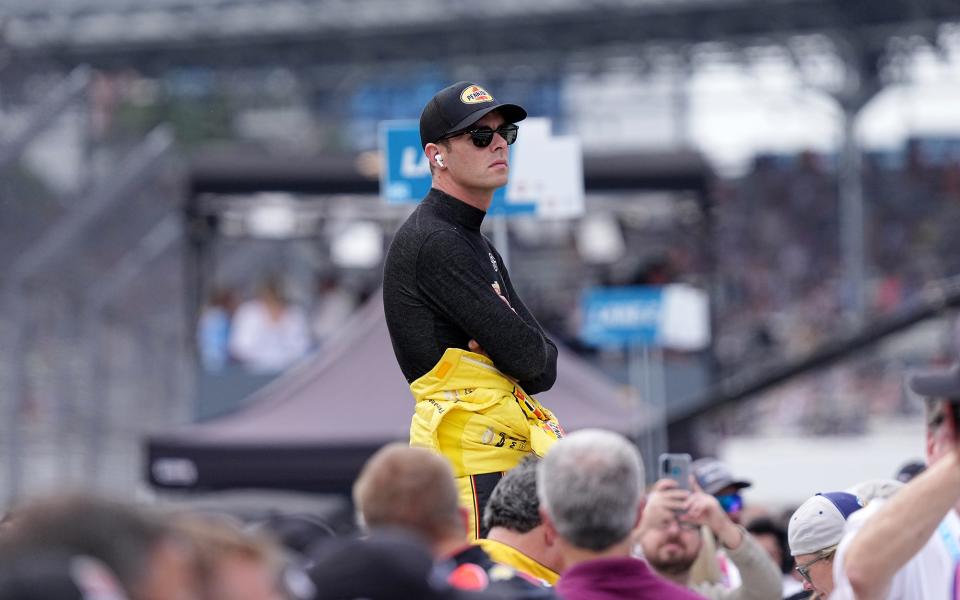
x=909 y=546
x=465 y=342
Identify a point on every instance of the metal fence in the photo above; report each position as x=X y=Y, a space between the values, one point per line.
x=95 y=348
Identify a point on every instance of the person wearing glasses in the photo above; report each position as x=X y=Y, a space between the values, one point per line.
x=672 y=533
x=469 y=348
x=814 y=532
x=908 y=546
x=716 y=479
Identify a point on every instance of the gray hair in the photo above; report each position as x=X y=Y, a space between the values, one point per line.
x=513 y=504
x=590 y=484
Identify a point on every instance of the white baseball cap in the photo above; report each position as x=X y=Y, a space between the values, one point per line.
x=819 y=521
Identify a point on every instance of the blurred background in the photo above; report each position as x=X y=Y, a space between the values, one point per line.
x=163 y=163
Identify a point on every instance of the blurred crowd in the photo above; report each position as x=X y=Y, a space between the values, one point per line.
x=782 y=288
x=268 y=333
x=577 y=524
x=782 y=292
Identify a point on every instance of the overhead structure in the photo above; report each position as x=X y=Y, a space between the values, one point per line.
x=341 y=34
x=335 y=45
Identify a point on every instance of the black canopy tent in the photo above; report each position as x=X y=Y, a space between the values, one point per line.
x=312 y=428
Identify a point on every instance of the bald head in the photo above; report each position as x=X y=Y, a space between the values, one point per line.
x=411 y=488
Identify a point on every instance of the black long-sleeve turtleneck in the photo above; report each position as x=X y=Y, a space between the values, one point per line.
x=438 y=293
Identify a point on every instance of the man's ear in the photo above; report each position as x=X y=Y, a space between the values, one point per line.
x=431 y=150
x=547 y=534
x=640 y=508
x=549 y=529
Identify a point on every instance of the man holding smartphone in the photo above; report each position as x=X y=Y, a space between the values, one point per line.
x=670 y=537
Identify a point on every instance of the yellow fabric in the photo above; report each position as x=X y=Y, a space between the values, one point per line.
x=510 y=556
x=477 y=417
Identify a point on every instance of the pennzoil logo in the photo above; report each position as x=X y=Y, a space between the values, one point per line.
x=475 y=95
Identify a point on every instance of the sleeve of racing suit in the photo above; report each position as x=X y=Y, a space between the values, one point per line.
x=452 y=277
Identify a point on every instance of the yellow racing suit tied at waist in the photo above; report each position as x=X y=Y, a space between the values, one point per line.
x=477 y=417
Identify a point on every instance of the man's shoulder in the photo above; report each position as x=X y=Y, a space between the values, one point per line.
x=629 y=573
x=421 y=227
x=476 y=570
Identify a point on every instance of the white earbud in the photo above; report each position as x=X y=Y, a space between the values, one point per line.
x=438 y=159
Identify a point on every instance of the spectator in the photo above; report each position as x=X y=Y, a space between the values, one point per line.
x=213 y=330
x=269 y=334
x=150 y=559
x=815 y=530
x=333 y=305
x=670 y=538
x=57 y=577
x=517 y=536
x=909 y=470
x=716 y=479
x=773 y=538
x=906 y=547
x=590 y=486
x=232 y=564
x=301 y=535
x=874 y=489
x=414 y=489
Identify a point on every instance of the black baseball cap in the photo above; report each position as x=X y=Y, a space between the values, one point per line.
x=458 y=106
x=389 y=565
x=937 y=384
x=57 y=577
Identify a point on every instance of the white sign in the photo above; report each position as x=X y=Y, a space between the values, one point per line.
x=547 y=170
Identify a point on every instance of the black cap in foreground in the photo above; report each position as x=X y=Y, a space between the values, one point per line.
x=57 y=577
x=458 y=106
x=386 y=566
x=937 y=384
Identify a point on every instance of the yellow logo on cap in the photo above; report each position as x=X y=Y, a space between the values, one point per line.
x=475 y=95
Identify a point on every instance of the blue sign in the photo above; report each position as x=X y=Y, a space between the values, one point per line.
x=622 y=316
x=405 y=177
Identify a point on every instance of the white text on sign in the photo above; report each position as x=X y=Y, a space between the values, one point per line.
x=414 y=163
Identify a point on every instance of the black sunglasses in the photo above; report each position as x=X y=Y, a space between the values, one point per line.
x=482 y=136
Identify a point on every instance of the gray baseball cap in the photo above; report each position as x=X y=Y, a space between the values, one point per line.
x=943 y=383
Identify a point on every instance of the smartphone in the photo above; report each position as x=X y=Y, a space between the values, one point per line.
x=676 y=467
